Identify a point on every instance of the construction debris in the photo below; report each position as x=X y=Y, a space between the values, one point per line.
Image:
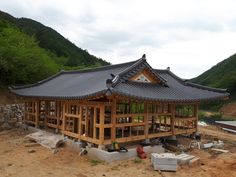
x=215 y=144
x=206 y=145
x=194 y=162
x=218 y=144
x=164 y=161
x=220 y=150
x=201 y=123
x=46 y=139
x=31 y=151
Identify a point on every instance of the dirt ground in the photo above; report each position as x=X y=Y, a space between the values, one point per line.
x=15 y=160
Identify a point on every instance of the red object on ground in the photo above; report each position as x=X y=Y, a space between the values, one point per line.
x=140 y=152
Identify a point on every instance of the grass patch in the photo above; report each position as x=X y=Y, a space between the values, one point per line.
x=95 y=162
x=137 y=160
x=115 y=168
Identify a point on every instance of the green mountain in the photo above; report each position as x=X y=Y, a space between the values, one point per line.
x=22 y=61
x=30 y=51
x=222 y=75
x=51 y=40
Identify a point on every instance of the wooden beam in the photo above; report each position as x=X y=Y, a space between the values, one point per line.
x=160 y=134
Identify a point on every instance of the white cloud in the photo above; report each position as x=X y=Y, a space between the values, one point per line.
x=190 y=36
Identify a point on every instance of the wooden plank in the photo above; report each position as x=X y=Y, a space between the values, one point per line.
x=71 y=134
x=30 y=113
x=72 y=115
x=51 y=125
x=91 y=140
x=29 y=121
x=130 y=124
x=131 y=138
x=160 y=134
x=108 y=125
x=129 y=115
x=185 y=119
x=185 y=131
x=219 y=150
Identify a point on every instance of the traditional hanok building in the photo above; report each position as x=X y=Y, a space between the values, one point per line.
x=116 y=103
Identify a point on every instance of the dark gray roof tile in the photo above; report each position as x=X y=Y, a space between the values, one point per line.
x=92 y=82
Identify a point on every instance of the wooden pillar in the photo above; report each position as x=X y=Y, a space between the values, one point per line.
x=80 y=120
x=196 y=115
x=101 y=128
x=63 y=117
x=25 y=111
x=86 y=121
x=146 y=119
x=36 y=106
x=57 y=107
x=173 y=118
x=94 y=122
x=113 y=120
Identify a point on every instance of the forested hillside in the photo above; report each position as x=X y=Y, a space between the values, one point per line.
x=30 y=51
x=222 y=75
x=51 y=40
x=22 y=61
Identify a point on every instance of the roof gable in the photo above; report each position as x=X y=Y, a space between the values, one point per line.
x=146 y=76
x=137 y=69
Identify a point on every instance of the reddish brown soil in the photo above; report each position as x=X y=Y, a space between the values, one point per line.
x=6 y=97
x=229 y=110
x=16 y=161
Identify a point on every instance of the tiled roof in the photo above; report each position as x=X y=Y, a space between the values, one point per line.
x=89 y=83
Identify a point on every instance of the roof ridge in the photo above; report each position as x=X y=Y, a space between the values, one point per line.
x=70 y=71
x=206 y=87
x=132 y=66
x=191 y=84
x=37 y=83
x=100 y=68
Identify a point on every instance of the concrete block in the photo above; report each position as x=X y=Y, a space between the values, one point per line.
x=183 y=158
x=164 y=161
x=206 y=146
x=194 y=162
x=165 y=167
x=164 y=158
x=115 y=156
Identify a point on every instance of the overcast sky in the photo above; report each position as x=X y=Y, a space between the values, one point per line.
x=190 y=36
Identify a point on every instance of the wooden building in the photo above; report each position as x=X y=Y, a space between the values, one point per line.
x=117 y=103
